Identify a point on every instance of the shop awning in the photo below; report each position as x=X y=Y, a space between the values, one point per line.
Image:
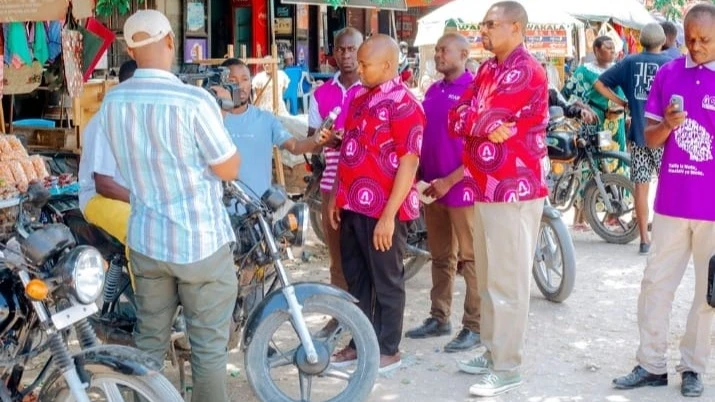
x=426 y=3
x=398 y=5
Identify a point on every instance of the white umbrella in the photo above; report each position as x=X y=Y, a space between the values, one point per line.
x=541 y=12
x=629 y=13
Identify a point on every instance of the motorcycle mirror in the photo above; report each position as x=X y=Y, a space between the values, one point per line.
x=37 y=195
x=556 y=113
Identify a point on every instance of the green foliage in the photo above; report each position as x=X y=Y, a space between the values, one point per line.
x=671 y=9
x=106 y=8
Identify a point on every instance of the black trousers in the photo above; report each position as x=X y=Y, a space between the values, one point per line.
x=375 y=278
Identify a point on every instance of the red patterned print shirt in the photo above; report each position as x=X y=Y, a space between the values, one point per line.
x=383 y=124
x=514 y=91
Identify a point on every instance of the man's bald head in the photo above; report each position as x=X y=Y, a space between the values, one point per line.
x=450 y=55
x=378 y=58
x=514 y=11
x=456 y=39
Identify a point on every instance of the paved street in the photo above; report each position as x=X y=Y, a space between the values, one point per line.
x=573 y=349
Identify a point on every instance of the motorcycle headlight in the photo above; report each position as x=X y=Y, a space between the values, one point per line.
x=294 y=225
x=82 y=269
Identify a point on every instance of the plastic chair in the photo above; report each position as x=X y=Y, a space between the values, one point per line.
x=305 y=89
x=34 y=123
x=291 y=93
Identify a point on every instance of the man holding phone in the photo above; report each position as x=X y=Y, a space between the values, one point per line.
x=681 y=118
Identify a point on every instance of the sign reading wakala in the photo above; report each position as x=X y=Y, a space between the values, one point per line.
x=32 y=10
x=549 y=42
x=399 y=5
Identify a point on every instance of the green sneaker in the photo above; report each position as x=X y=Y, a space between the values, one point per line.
x=476 y=365
x=495 y=383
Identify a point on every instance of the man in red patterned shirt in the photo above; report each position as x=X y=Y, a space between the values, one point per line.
x=374 y=194
x=503 y=117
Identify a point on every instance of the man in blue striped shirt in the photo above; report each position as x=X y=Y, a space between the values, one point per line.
x=173 y=151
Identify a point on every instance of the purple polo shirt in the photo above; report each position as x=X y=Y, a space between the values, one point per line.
x=686 y=185
x=441 y=153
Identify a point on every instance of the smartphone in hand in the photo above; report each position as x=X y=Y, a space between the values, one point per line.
x=677 y=100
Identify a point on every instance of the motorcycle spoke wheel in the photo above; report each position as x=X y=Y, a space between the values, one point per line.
x=276 y=363
x=554 y=266
x=620 y=225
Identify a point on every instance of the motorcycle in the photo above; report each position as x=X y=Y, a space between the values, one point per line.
x=275 y=322
x=582 y=162
x=417 y=254
x=48 y=286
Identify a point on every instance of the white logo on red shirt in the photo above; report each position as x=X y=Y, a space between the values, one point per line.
x=512 y=76
x=366 y=197
x=524 y=188
x=351 y=148
x=393 y=160
x=694 y=139
x=487 y=152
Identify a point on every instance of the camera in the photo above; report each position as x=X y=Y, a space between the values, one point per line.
x=208 y=77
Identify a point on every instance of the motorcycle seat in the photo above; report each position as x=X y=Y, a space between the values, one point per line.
x=92 y=235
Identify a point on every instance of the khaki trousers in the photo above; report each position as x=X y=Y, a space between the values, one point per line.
x=207 y=290
x=450 y=240
x=332 y=238
x=674 y=240
x=504 y=246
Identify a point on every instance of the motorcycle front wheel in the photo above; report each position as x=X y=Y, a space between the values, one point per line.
x=554 y=266
x=110 y=385
x=275 y=355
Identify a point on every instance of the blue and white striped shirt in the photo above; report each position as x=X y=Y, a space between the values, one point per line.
x=164 y=135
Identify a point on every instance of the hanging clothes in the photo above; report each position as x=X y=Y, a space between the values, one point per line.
x=17 y=46
x=40 y=47
x=54 y=37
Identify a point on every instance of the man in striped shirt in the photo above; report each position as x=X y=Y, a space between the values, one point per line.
x=173 y=151
x=338 y=91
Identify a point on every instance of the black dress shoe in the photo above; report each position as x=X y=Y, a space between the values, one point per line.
x=465 y=340
x=639 y=377
x=692 y=384
x=429 y=328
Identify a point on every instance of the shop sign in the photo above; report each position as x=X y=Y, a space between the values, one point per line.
x=32 y=10
x=547 y=42
x=398 y=5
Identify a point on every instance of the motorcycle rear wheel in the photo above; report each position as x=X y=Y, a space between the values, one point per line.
x=555 y=281
x=316 y=222
x=109 y=385
x=620 y=192
x=350 y=319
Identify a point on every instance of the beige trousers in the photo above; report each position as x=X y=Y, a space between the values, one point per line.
x=504 y=246
x=674 y=240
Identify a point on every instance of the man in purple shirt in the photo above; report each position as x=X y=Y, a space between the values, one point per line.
x=450 y=218
x=684 y=221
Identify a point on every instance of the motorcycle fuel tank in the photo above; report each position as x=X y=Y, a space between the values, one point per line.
x=561 y=145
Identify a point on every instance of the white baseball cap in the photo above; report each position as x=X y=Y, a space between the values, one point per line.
x=151 y=22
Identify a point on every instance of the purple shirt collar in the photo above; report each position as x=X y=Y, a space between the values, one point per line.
x=689 y=63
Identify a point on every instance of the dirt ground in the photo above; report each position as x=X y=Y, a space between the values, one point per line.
x=573 y=349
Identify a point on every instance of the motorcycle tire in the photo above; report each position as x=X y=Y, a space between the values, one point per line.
x=564 y=248
x=152 y=387
x=360 y=381
x=414 y=264
x=316 y=222
x=592 y=197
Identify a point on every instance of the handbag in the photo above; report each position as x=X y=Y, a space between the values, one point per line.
x=72 y=56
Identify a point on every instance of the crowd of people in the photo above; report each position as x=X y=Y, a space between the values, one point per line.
x=157 y=151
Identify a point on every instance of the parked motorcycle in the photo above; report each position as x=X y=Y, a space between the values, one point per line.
x=417 y=254
x=582 y=163
x=47 y=287
x=274 y=321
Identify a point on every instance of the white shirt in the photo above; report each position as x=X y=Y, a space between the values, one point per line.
x=262 y=80
x=96 y=157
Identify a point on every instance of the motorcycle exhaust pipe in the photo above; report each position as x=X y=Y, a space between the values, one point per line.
x=418 y=252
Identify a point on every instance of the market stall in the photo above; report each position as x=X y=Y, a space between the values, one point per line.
x=550 y=33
